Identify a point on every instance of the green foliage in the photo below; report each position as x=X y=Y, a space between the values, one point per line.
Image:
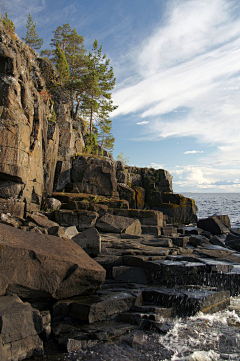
x=96 y=98
x=91 y=146
x=53 y=117
x=61 y=65
x=123 y=158
x=32 y=39
x=9 y=25
x=89 y=81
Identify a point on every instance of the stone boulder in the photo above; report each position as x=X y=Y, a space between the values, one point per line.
x=93 y=175
x=214 y=225
x=20 y=325
x=233 y=241
x=39 y=266
x=119 y=224
x=52 y=228
x=90 y=241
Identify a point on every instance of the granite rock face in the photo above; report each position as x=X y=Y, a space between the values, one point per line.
x=94 y=176
x=32 y=113
x=38 y=266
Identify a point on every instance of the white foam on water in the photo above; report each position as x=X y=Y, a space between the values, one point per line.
x=199 y=356
x=197 y=338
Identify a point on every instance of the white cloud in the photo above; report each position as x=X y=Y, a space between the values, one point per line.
x=190 y=61
x=157 y=166
x=193 y=151
x=143 y=122
x=206 y=177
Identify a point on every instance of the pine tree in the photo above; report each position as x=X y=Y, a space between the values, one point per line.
x=96 y=102
x=32 y=39
x=71 y=44
x=8 y=24
x=61 y=65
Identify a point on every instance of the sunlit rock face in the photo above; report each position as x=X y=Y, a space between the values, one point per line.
x=31 y=114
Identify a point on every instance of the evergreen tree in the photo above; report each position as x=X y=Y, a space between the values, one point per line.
x=8 y=24
x=71 y=44
x=32 y=39
x=96 y=102
x=61 y=65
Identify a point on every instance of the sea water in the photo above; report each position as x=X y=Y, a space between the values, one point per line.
x=209 y=204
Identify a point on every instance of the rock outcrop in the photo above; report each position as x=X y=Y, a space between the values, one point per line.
x=37 y=266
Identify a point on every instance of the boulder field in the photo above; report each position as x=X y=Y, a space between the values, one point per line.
x=51 y=290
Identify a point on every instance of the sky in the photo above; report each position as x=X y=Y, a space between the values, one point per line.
x=177 y=65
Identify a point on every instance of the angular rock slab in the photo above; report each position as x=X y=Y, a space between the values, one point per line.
x=90 y=241
x=214 y=225
x=20 y=325
x=100 y=308
x=188 y=302
x=119 y=224
x=33 y=265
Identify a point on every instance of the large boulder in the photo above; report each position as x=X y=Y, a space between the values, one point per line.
x=39 y=266
x=119 y=224
x=214 y=225
x=20 y=325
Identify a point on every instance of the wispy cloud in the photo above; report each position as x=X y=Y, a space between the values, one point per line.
x=193 y=151
x=192 y=60
x=143 y=122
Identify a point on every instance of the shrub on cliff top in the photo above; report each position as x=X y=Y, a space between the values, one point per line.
x=9 y=25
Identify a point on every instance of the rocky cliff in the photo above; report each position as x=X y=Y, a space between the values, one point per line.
x=41 y=147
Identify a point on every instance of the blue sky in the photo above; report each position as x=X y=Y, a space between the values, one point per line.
x=177 y=65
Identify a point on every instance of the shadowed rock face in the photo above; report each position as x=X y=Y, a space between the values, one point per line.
x=38 y=266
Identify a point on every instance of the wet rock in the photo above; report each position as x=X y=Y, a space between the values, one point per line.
x=188 y=302
x=214 y=225
x=99 y=308
x=233 y=241
x=129 y=274
x=118 y=224
x=45 y=266
x=216 y=241
x=90 y=241
x=20 y=326
x=198 y=240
